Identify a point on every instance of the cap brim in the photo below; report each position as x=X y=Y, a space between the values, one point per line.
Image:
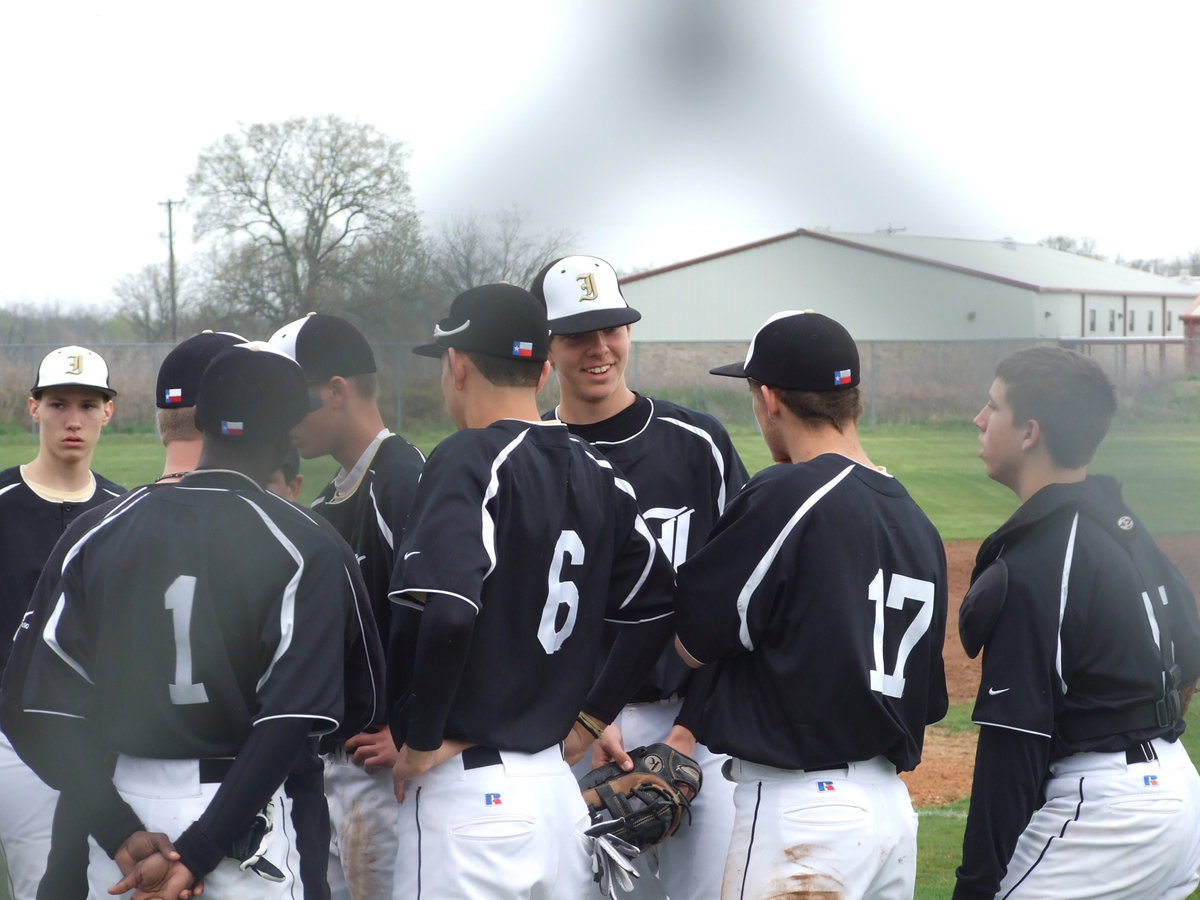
x=433 y=351
x=733 y=370
x=594 y=320
x=108 y=393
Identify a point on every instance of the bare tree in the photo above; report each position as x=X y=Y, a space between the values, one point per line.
x=468 y=251
x=143 y=301
x=1084 y=246
x=303 y=193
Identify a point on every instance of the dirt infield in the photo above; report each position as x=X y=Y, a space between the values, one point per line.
x=948 y=758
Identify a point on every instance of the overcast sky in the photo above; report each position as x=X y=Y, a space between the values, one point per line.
x=659 y=130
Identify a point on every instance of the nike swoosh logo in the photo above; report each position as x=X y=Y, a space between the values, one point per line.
x=438 y=332
x=992 y=692
x=412 y=553
x=360 y=557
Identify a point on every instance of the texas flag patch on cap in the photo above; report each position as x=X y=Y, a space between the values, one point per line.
x=173 y=395
x=841 y=377
x=232 y=428
x=522 y=348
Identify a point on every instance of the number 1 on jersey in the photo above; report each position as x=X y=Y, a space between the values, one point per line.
x=179 y=599
x=901 y=588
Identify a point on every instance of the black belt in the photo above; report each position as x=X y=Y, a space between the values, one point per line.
x=478 y=757
x=214 y=769
x=1141 y=753
x=328 y=745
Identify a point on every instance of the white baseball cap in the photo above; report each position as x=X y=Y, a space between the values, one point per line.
x=581 y=294
x=73 y=367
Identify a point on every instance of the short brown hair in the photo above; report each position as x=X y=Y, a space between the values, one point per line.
x=507 y=372
x=837 y=408
x=177 y=425
x=1067 y=393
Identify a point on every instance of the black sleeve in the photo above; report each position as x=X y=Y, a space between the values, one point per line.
x=262 y=764
x=443 y=643
x=82 y=773
x=633 y=653
x=699 y=686
x=1010 y=768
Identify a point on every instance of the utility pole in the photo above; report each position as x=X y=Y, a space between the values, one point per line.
x=170 y=205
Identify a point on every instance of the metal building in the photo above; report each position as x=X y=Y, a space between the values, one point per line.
x=900 y=287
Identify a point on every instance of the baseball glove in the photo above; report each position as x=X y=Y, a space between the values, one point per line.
x=645 y=806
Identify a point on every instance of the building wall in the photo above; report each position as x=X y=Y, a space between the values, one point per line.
x=876 y=297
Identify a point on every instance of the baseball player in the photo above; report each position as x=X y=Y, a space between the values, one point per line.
x=1082 y=788
x=522 y=543
x=684 y=468
x=235 y=664
x=175 y=399
x=287 y=481
x=175 y=391
x=70 y=403
x=367 y=501
x=819 y=601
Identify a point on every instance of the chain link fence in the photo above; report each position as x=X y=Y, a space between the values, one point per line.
x=901 y=380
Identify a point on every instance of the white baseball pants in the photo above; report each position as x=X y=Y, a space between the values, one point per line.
x=509 y=829
x=168 y=795
x=839 y=832
x=1110 y=829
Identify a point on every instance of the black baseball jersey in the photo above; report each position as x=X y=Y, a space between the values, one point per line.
x=370 y=515
x=820 y=600
x=1077 y=638
x=684 y=468
x=1073 y=658
x=228 y=594
x=528 y=537
x=29 y=529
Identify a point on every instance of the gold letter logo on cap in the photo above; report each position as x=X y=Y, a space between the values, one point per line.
x=588 y=284
x=75 y=365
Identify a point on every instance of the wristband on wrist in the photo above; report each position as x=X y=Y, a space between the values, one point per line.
x=593 y=725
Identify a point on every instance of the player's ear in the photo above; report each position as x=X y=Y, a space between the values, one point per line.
x=545 y=374
x=459 y=364
x=770 y=400
x=33 y=409
x=339 y=391
x=1031 y=434
x=108 y=411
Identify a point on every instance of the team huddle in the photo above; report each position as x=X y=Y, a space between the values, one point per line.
x=572 y=654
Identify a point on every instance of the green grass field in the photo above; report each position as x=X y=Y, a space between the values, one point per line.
x=1158 y=462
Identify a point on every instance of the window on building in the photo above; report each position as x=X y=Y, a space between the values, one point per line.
x=1112 y=320
x=1169 y=325
x=1091 y=320
x=1150 y=321
x=1130 y=325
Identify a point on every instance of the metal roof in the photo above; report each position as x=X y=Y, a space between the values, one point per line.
x=1028 y=266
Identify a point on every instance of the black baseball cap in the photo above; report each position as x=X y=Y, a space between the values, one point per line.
x=254 y=390
x=179 y=374
x=496 y=320
x=797 y=350
x=325 y=346
x=581 y=294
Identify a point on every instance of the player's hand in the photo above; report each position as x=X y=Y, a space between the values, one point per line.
x=576 y=744
x=373 y=751
x=611 y=748
x=682 y=740
x=411 y=763
x=151 y=868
